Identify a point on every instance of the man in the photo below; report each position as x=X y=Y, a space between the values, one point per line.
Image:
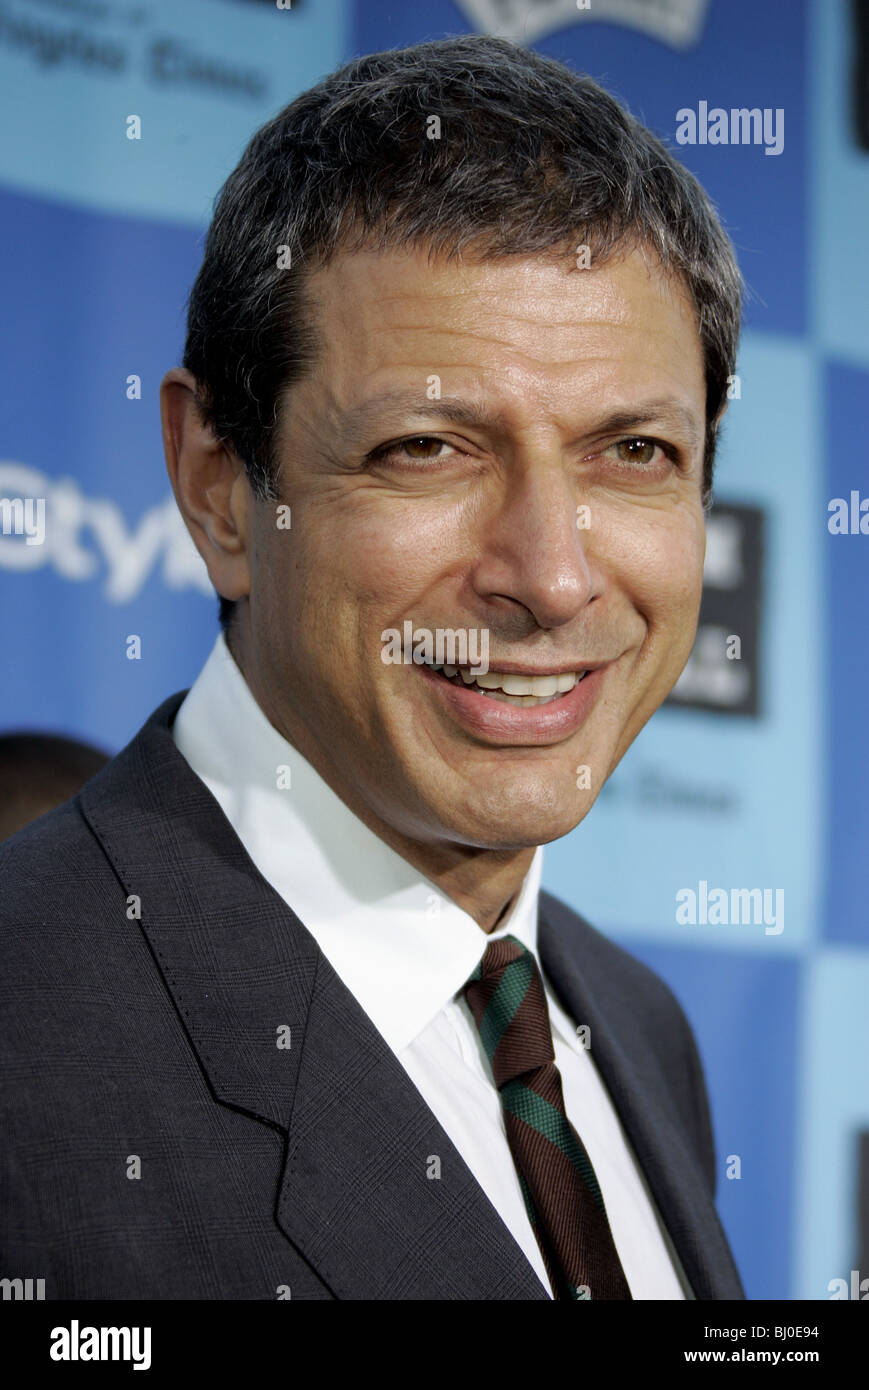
x=290 y=1016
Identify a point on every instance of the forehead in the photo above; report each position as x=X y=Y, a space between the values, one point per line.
x=518 y=324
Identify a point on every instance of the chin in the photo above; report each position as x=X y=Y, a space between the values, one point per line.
x=518 y=823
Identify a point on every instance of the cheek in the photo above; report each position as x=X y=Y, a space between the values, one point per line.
x=660 y=567
x=383 y=554
x=344 y=574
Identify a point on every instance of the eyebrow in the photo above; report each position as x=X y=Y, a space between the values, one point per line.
x=664 y=411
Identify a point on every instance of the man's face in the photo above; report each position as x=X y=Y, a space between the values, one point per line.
x=560 y=382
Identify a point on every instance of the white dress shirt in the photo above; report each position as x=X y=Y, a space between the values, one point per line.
x=405 y=950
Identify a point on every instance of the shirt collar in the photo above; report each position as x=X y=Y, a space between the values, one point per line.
x=399 y=944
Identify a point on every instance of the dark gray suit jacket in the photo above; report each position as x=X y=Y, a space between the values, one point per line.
x=148 y=1045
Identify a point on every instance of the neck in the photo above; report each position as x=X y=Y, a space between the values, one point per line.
x=485 y=883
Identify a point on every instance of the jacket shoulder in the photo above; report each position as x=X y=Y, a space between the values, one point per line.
x=63 y=916
x=37 y=861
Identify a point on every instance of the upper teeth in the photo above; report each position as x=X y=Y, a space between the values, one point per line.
x=512 y=684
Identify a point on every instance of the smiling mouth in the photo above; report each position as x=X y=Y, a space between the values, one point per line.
x=511 y=688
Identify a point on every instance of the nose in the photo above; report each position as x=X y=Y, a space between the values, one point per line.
x=532 y=551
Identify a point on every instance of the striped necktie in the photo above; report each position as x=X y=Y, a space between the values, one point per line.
x=562 y=1196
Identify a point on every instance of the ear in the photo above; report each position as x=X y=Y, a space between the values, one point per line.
x=209 y=483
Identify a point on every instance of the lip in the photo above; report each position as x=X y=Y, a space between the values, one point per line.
x=496 y=722
x=512 y=668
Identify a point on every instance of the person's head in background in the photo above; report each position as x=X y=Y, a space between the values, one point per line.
x=40 y=771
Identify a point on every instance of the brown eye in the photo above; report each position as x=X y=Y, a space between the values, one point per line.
x=636 y=450
x=422 y=447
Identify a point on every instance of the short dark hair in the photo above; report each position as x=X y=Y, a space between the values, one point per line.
x=532 y=157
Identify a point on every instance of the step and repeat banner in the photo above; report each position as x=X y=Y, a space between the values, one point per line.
x=730 y=850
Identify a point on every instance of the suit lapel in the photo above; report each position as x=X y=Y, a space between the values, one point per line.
x=242 y=970
x=356 y=1196
x=624 y=1059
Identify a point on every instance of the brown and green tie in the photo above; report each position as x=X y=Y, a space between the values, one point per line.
x=562 y=1196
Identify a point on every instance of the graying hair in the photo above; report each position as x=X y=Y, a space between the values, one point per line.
x=532 y=157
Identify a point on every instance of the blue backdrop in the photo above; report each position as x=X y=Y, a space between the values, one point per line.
x=748 y=778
